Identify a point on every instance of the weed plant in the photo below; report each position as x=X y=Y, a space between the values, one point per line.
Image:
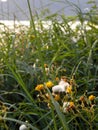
x=34 y=59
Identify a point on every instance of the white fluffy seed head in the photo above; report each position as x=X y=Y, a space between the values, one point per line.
x=61 y=87
x=23 y=127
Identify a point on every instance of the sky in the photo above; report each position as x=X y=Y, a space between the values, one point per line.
x=18 y=9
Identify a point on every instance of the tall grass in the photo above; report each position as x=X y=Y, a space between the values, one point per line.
x=36 y=55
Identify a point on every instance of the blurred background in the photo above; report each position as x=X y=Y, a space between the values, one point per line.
x=18 y=9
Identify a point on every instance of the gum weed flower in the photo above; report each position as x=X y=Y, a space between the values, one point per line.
x=57 y=79
x=47 y=96
x=68 y=90
x=45 y=65
x=83 y=101
x=39 y=87
x=82 y=98
x=49 y=84
x=57 y=97
x=91 y=97
x=71 y=104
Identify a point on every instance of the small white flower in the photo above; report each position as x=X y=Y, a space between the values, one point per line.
x=23 y=127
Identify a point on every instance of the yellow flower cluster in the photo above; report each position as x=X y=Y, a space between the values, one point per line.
x=57 y=79
x=57 y=97
x=39 y=87
x=71 y=104
x=91 y=97
x=45 y=65
x=65 y=93
x=69 y=90
x=49 y=84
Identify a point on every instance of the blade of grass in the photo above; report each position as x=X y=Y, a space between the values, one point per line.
x=59 y=113
x=20 y=122
x=20 y=81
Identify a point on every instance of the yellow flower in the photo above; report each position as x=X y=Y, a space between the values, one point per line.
x=71 y=104
x=45 y=65
x=49 y=84
x=57 y=97
x=82 y=98
x=91 y=97
x=69 y=90
x=39 y=87
x=57 y=79
x=47 y=96
x=64 y=78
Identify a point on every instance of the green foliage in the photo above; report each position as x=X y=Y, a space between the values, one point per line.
x=35 y=55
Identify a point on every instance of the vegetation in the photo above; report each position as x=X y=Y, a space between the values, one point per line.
x=35 y=58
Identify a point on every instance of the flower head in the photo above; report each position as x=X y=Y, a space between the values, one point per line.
x=39 y=87
x=71 y=104
x=49 y=84
x=82 y=98
x=68 y=90
x=45 y=65
x=57 y=97
x=57 y=79
x=47 y=96
x=91 y=97
x=64 y=78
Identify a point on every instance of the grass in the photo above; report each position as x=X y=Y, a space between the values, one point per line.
x=33 y=61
